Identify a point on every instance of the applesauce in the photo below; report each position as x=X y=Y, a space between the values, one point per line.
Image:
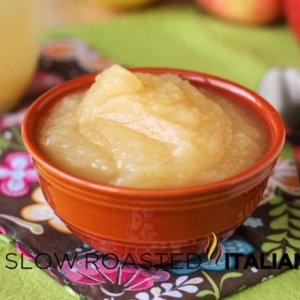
x=151 y=131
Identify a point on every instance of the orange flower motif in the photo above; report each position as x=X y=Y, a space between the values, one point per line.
x=66 y=49
x=41 y=211
x=285 y=177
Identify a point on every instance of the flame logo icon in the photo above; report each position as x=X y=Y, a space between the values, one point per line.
x=211 y=246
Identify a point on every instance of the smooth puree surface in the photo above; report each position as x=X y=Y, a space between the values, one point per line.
x=151 y=131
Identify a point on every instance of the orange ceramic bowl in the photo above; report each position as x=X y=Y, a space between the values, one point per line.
x=134 y=221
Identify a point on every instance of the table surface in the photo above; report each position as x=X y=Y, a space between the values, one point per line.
x=58 y=13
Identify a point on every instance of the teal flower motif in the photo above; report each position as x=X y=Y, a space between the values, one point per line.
x=253 y=222
x=229 y=246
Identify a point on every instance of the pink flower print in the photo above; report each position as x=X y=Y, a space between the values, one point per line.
x=2 y=230
x=4 y=239
x=114 y=278
x=15 y=174
x=43 y=81
x=10 y=119
x=22 y=250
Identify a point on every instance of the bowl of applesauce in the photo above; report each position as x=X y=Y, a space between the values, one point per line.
x=145 y=161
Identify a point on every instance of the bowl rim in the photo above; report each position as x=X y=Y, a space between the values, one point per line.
x=275 y=125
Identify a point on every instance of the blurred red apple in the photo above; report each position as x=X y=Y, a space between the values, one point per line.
x=292 y=11
x=256 y=12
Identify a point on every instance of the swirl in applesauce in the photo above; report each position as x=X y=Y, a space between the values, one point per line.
x=151 y=131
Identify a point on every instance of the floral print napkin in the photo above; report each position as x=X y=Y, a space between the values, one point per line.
x=28 y=222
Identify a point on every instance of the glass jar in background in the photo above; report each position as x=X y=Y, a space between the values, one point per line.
x=18 y=49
